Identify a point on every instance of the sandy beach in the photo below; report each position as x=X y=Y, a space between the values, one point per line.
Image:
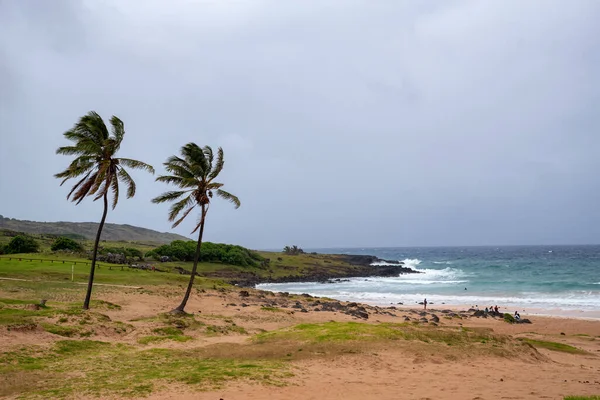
x=385 y=369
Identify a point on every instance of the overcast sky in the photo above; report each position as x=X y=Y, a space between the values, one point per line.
x=344 y=123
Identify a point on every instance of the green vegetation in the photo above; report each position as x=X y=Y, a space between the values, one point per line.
x=21 y=244
x=210 y=252
x=355 y=331
x=509 y=318
x=582 y=398
x=154 y=339
x=195 y=175
x=565 y=348
x=121 y=370
x=64 y=243
x=99 y=169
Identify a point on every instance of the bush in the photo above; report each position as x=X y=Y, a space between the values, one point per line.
x=64 y=243
x=509 y=318
x=127 y=252
x=180 y=250
x=22 y=244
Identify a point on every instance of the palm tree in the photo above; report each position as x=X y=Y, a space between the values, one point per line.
x=195 y=175
x=94 y=149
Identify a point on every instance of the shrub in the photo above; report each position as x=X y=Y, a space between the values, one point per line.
x=22 y=244
x=64 y=243
x=509 y=318
x=180 y=250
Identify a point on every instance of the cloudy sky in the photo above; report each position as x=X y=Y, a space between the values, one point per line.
x=344 y=122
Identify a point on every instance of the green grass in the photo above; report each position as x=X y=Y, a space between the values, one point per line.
x=582 y=398
x=356 y=331
x=272 y=309
x=565 y=348
x=92 y=368
x=154 y=339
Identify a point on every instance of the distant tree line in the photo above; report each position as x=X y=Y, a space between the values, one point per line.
x=293 y=250
x=180 y=250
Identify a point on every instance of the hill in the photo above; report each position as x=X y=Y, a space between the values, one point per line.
x=88 y=230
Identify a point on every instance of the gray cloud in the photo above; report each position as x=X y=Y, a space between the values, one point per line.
x=347 y=123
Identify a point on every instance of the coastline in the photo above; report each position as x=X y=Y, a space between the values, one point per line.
x=523 y=308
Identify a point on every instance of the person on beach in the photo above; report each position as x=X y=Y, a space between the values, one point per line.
x=496 y=309
x=517 y=316
x=425 y=304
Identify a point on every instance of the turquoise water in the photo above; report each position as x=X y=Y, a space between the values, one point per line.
x=537 y=278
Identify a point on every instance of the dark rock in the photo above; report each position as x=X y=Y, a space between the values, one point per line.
x=435 y=318
x=407 y=318
x=303 y=310
x=244 y=293
x=523 y=321
x=306 y=295
x=332 y=306
x=244 y=305
x=423 y=319
x=359 y=312
x=352 y=304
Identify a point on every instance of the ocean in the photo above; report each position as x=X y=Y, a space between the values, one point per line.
x=545 y=280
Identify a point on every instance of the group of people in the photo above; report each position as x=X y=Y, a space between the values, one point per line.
x=491 y=310
x=487 y=310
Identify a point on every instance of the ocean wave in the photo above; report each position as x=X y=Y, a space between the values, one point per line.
x=411 y=262
x=578 y=300
x=443 y=262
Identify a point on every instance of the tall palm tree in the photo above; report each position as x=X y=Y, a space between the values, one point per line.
x=194 y=173
x=95 y=163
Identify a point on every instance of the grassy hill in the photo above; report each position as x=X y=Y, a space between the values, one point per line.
x=87 y=230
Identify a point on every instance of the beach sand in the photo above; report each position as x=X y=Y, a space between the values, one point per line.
x=374 y=371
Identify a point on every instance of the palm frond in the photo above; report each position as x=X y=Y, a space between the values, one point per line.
x=176 y=180
x=214 y=186
x=84 y=189
x=180 y=205
x=196 y=159
x=126 y=178
x=185 y=214
x=229 y=197
x=135 y=164
x=78 y=183
x=103 y=170
x=114 y=185
x=218 y=165
x=118 y=131
x=169 y=196
x=103 y=188
x=92 y=124
x=208 y=153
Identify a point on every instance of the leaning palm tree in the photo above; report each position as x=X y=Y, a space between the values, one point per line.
x=194 y=173
x=95 y=163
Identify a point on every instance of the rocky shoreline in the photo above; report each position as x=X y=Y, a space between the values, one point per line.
x=361 y=266
x=341 y=267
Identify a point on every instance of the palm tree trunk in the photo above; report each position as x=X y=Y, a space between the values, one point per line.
x=88 y=295
x=181 y=307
